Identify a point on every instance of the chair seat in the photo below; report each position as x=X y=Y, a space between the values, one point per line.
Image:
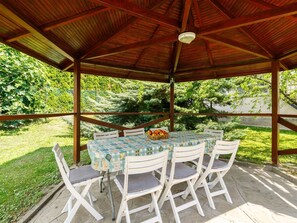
x=181 y=171
x=217 y=164
x=139 y=182
x=82 y=173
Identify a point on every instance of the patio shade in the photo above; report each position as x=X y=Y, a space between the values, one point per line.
x=138 y=39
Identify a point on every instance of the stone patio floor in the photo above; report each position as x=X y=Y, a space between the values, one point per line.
x=258 y=194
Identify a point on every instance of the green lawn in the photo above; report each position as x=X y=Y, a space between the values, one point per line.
x=27 y=165
x=28 y=169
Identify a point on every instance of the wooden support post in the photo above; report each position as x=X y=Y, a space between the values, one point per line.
x=275 y=111
x=76 y=118
x=171 y=104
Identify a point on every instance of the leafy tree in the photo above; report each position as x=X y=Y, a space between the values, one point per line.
x=21 y=83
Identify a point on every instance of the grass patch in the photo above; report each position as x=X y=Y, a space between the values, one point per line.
x=28 y=169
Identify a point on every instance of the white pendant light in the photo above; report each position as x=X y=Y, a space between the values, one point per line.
x=186 y=37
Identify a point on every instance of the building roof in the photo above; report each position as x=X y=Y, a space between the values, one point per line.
x=138 y=39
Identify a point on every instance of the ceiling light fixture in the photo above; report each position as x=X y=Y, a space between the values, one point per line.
x=186 y=37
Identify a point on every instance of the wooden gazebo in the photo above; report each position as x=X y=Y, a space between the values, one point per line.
x=138 y=39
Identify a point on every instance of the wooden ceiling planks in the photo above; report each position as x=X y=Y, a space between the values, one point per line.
x=139 y=37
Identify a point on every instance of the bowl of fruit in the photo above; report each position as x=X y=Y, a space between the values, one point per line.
x=157 y=134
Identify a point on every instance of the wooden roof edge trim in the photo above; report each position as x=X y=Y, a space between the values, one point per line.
x=235 y=45
x=19 y=19
x=142 y=13
x=121 y=29
x=31 y=116
x=162 y=79
x=122 y=68
x=270 y=14
x=220 y=68
x=218 y=76
x=141 y=44
x=31 y=53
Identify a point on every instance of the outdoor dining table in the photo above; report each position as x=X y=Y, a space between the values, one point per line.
x=108 y=155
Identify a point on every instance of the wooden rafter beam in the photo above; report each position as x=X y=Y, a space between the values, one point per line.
x=287 y=55
x=206 y=43
x=139 y=12
x=18 y=36
x=74 y=18
x=156 y=31
x=283 y=11
x=220 y=68
x=141 y=44
x=235 y=45
x=61 y=22
x=265 y=5
x=123 y=68
x=28 y=51
x=118 y=32
x=6 y=10
x=186 y=13
x=244 y=30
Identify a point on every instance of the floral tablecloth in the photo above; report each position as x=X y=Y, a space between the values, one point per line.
x=109 y=154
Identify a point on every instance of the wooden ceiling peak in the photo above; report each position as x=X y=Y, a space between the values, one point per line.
x=139 y=39
x=139 y=12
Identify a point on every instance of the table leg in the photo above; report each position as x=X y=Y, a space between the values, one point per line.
x=110 y=196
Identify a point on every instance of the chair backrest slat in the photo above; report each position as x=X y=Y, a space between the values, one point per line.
x=106 y=135
x=145 y=164
x=60 y=158
x=187 y=154
x=134 y=132
x=219 y=134
x=224 y=148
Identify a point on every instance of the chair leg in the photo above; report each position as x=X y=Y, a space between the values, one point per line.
x=154 y=201
x=223 y=185
x=173 y=206
x=127 y=213
x=121 y=211
x=208 y=194
x=164 y=196
x=192 y=191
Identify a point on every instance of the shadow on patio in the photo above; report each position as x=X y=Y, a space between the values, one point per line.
x=258 y=195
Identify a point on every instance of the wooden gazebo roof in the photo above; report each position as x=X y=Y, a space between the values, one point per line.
x=138 y=39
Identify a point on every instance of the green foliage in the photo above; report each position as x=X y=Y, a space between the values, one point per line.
x=21 y=84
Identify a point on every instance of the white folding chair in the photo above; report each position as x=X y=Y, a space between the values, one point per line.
x=74 y=179
x=106 y=135
x=138 y=180
x=219 y=134
x=134 y=132
x=163 y=128
x=178 y=172
x=211 y=165
x=102 y=136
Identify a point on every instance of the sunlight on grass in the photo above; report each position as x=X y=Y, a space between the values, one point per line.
x=28 y=168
